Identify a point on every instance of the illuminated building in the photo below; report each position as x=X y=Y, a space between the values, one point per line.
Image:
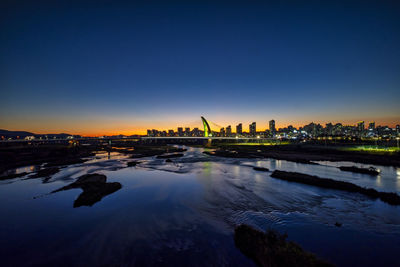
x=196 y=132
x=180 y=131
x=252 y=129
x=272 y=128
x=239 y=129
x=371 y=126
x=187 y=131
x=228 y=130
x=222 y=132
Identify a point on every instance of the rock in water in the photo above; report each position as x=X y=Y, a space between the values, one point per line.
x=133 y=163
x=390 y=198
x=94 y=187
x=272 y=249
x=261 y=169
x=45 y=172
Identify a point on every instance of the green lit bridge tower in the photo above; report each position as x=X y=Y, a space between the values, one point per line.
x=207 y=129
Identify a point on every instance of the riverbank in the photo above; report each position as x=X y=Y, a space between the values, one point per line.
x=307 y=154
x=46 y=157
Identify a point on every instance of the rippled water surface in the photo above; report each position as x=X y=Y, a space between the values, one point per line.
x=184 y=213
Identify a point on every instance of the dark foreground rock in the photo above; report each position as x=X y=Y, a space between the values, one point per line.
x=370 y=170
x=133 y=163
x=66 y=161
x=261 y=169
x=170 y=156
x=94 y=187
x=390 y=198
x=272 y=249
x=45 y=172
x=12 y=176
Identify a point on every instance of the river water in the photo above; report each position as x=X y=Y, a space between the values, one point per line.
x=184 y=212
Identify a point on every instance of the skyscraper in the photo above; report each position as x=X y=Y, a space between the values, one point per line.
x=180 y=131
x=371 y=126
x=187 y=131
x=222 y=132
x=196 y=132
x=239 y=129
x=252 y=129
x=360 y=127
x=272 y=127
x=228 y=130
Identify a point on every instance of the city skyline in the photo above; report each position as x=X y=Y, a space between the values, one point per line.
x=216 y=127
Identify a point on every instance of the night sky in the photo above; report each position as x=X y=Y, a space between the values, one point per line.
x=104 y=67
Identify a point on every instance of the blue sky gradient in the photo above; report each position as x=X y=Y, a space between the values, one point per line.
x=104 y=66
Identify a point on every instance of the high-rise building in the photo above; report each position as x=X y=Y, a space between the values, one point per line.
x=371 y=126
x=171 y=133
x=222 y=132
x=149 y=133
x=196 y=132
x=328 y=129
x=252 y=129
x=228 y=130
x=360 y=127
x=187 y=131
x=180 y=131
x=239 y=130
x=272 y=128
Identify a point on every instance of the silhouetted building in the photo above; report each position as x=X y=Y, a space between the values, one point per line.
x=272 y=128
x=180 y=131
x=252 y=129
x=196 y=132
x=371 y=126
x=228 y=130
x=239 y=129
x=171 y=133
x=360 y=128
x=328 y=129
x=187 y=131
x=222 y=132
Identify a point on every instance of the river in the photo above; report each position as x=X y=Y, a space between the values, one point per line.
x=184 y=212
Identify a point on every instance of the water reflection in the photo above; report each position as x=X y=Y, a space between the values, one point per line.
x=184 y=212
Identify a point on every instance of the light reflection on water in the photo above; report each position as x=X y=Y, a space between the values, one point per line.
x=183 y=213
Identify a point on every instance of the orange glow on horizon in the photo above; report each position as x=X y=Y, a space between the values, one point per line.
x=143 y=131
x=99 y=126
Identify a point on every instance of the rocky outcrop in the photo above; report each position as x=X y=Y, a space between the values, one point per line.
x=94 y=187
x=45 y=172
x=271 y=249
x=390 y=198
